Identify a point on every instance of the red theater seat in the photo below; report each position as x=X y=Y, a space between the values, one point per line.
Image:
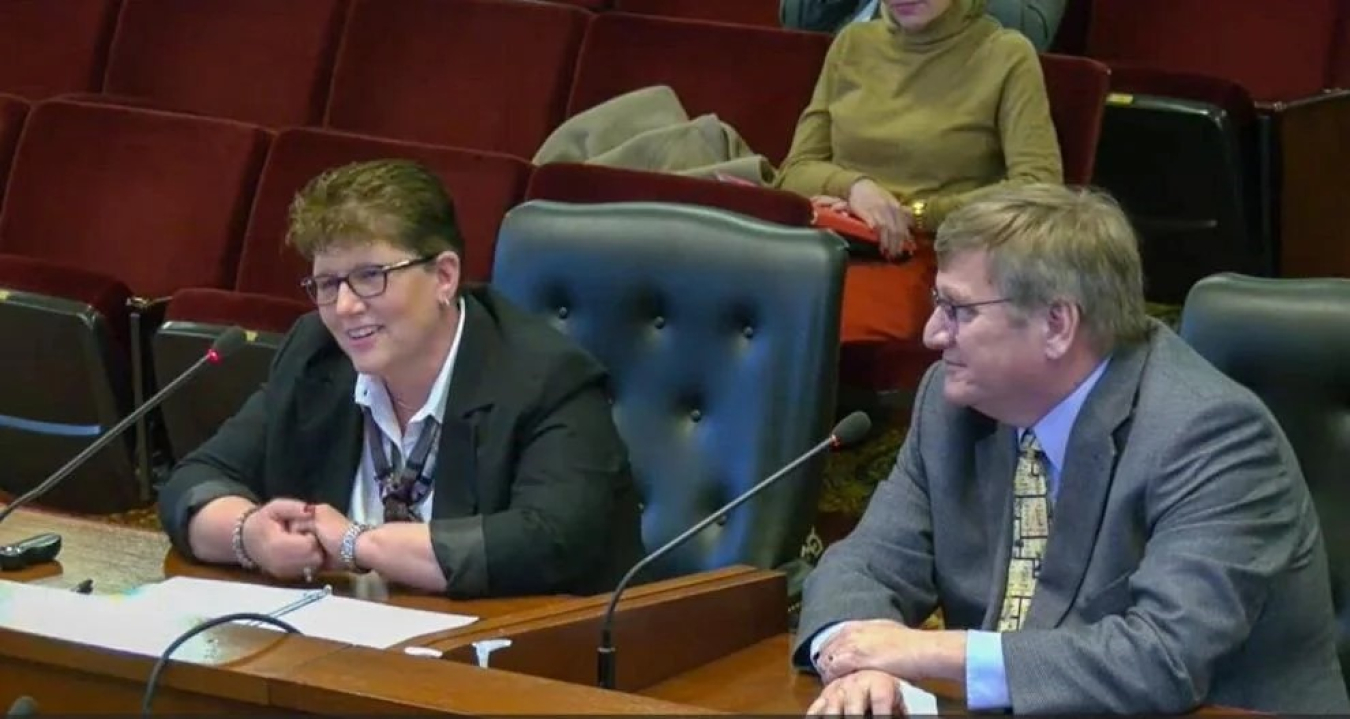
x=13 y=110
x=763 y=13
x=483 y=74
x=259 y=61
x=1277 y=50
x=756 y=79
x=1285 y=55
x=591 y=184
x=104 y=204
x=49 y=47
x=1077 y=88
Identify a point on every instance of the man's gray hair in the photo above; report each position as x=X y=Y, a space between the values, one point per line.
x=1050 y=242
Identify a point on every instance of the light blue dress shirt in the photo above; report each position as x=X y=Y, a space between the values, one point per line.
x=986 y=676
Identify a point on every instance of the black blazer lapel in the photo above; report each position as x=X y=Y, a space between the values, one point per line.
x=995 y=460
x=329 y=438
x=459 y=484
x=1085 y=481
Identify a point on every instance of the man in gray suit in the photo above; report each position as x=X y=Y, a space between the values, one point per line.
x=1107 y=522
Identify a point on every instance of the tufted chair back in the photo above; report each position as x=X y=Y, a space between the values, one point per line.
x=721 y=334
x=1288 y=340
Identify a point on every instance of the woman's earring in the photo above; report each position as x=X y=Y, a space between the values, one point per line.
x=445 y=302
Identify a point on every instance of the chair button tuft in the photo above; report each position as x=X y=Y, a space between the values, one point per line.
x=563 y=312
x=695 y=415
x=748 y=331
x=659 y=322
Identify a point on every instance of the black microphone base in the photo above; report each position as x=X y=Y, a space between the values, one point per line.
x=605 y=667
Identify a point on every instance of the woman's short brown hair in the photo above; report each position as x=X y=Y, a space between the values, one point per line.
x=396 y=201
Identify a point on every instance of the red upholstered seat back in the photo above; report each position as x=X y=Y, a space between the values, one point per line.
x=156 y=200
x=566 y=182
x=483 y=74
x=758 y=80
x=260 y=61
x=482 y=185
x=1077 y=88
x=13 y=110
x=763 y=13
x=1340 y=67
x=1277 y=50
x=47 y=47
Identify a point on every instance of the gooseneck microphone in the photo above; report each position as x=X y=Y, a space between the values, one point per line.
x=849 y=430
x=13 y=556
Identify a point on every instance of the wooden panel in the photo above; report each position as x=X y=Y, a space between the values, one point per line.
x=368 y=681
x=1314 y=190
x=651 y=630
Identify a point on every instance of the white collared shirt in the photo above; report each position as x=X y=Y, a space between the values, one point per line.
x=366 y=505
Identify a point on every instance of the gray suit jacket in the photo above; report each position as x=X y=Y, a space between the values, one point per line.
x=1185 y=565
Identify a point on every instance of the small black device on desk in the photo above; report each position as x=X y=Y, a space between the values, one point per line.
x=34 y=550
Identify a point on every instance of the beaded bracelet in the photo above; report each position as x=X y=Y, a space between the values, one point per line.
x=237 y=541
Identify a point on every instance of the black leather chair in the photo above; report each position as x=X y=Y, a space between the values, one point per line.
x=721 y=333
x=1288 y=340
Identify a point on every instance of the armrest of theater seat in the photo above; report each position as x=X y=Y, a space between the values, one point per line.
x=105 y=294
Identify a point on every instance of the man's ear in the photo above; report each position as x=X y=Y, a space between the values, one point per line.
x=1063 y=322
x=449 y=273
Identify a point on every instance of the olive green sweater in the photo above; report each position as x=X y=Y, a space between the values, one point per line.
x=936 y=115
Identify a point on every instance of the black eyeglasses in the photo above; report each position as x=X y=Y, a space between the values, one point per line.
x=365 y=282
x=957 y=313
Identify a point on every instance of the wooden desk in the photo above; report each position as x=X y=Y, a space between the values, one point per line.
x=717 y=658
x=242 y=669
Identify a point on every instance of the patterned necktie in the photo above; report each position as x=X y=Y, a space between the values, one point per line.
x=1031 y=531
x=403 y=485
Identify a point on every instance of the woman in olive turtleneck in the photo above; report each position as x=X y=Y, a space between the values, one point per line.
x=913 y=114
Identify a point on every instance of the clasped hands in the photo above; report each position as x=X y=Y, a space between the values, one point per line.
x=860 y=667
x=879 y=210
x=290 y=539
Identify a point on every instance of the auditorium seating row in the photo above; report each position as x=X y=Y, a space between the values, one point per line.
x=115 y=217
x=1221 y=138
x=481 y=85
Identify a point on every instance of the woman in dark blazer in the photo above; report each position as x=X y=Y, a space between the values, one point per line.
x=430 y=432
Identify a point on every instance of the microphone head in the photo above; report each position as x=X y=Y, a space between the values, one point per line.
x=851 y=429
x=227 y=343
x=23 y=706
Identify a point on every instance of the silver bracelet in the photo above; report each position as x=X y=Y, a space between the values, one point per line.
x=237 y=540
x=347 y=551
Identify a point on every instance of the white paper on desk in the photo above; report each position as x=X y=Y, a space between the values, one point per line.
x=95 y=619
x=341 y=619
x=917 y=701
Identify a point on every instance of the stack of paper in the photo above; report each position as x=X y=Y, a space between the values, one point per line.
x=350 y=621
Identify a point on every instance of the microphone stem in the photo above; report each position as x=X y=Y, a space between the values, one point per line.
x=106 y=438
x=606 y=649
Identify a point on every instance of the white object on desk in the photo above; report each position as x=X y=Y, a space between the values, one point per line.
x=484 y=648
x=147 y=620
x=341 y=619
